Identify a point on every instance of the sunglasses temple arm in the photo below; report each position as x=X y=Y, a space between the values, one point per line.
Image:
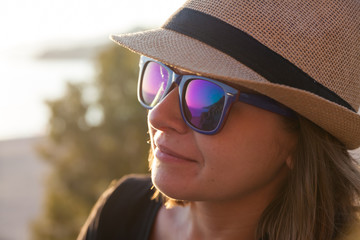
x=266 y=103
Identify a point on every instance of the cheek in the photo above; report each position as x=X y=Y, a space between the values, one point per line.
x=251 y=141
x=238 y=171
x=249 y=155
x=253 y=156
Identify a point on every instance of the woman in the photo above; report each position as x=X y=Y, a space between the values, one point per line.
x=252 y=108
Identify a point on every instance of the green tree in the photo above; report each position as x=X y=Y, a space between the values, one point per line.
x=97 y=133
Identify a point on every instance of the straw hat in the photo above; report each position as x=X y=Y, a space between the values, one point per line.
x=304 y=54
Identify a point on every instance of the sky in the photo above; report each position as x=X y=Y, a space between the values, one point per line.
x=28 y=27
x=34 y=22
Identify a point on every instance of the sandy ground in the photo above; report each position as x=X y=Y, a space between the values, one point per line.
x=22 y=176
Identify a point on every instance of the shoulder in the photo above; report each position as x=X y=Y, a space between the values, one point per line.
x=125 y=207
x=130 y=193
x=130 y=186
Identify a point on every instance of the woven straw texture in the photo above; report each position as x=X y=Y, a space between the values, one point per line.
x=319 y=37
x=332 y=31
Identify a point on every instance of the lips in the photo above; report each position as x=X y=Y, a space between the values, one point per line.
x=164 y=152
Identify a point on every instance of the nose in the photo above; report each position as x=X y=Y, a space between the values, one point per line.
x=166 y=115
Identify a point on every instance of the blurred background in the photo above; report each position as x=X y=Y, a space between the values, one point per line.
x=69 y=119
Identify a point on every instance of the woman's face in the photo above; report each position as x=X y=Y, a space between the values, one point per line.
x=249 y=157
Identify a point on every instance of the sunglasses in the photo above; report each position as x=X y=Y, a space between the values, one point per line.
x=204 y=102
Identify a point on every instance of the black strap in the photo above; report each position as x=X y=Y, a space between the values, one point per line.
x=248 y=51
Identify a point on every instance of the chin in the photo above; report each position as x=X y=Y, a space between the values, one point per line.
x=171 y=185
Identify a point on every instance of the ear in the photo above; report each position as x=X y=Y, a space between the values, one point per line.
x=290 y=162
x=292 y=150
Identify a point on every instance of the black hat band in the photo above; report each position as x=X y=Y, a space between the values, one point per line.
x=247 y=50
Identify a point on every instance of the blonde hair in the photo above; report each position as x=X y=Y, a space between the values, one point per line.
x=321 y=195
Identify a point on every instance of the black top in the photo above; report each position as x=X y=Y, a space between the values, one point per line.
x=124 y=211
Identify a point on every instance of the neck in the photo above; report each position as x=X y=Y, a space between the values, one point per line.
x=233 y=218
x=214 y=220
x=223 y=221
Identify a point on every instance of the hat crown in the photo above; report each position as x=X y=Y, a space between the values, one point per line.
x=322 y=41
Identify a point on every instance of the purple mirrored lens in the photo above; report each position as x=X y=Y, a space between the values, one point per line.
x=204 y=104
x=154 y=83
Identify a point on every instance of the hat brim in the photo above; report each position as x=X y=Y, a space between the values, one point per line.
x=186 y=53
